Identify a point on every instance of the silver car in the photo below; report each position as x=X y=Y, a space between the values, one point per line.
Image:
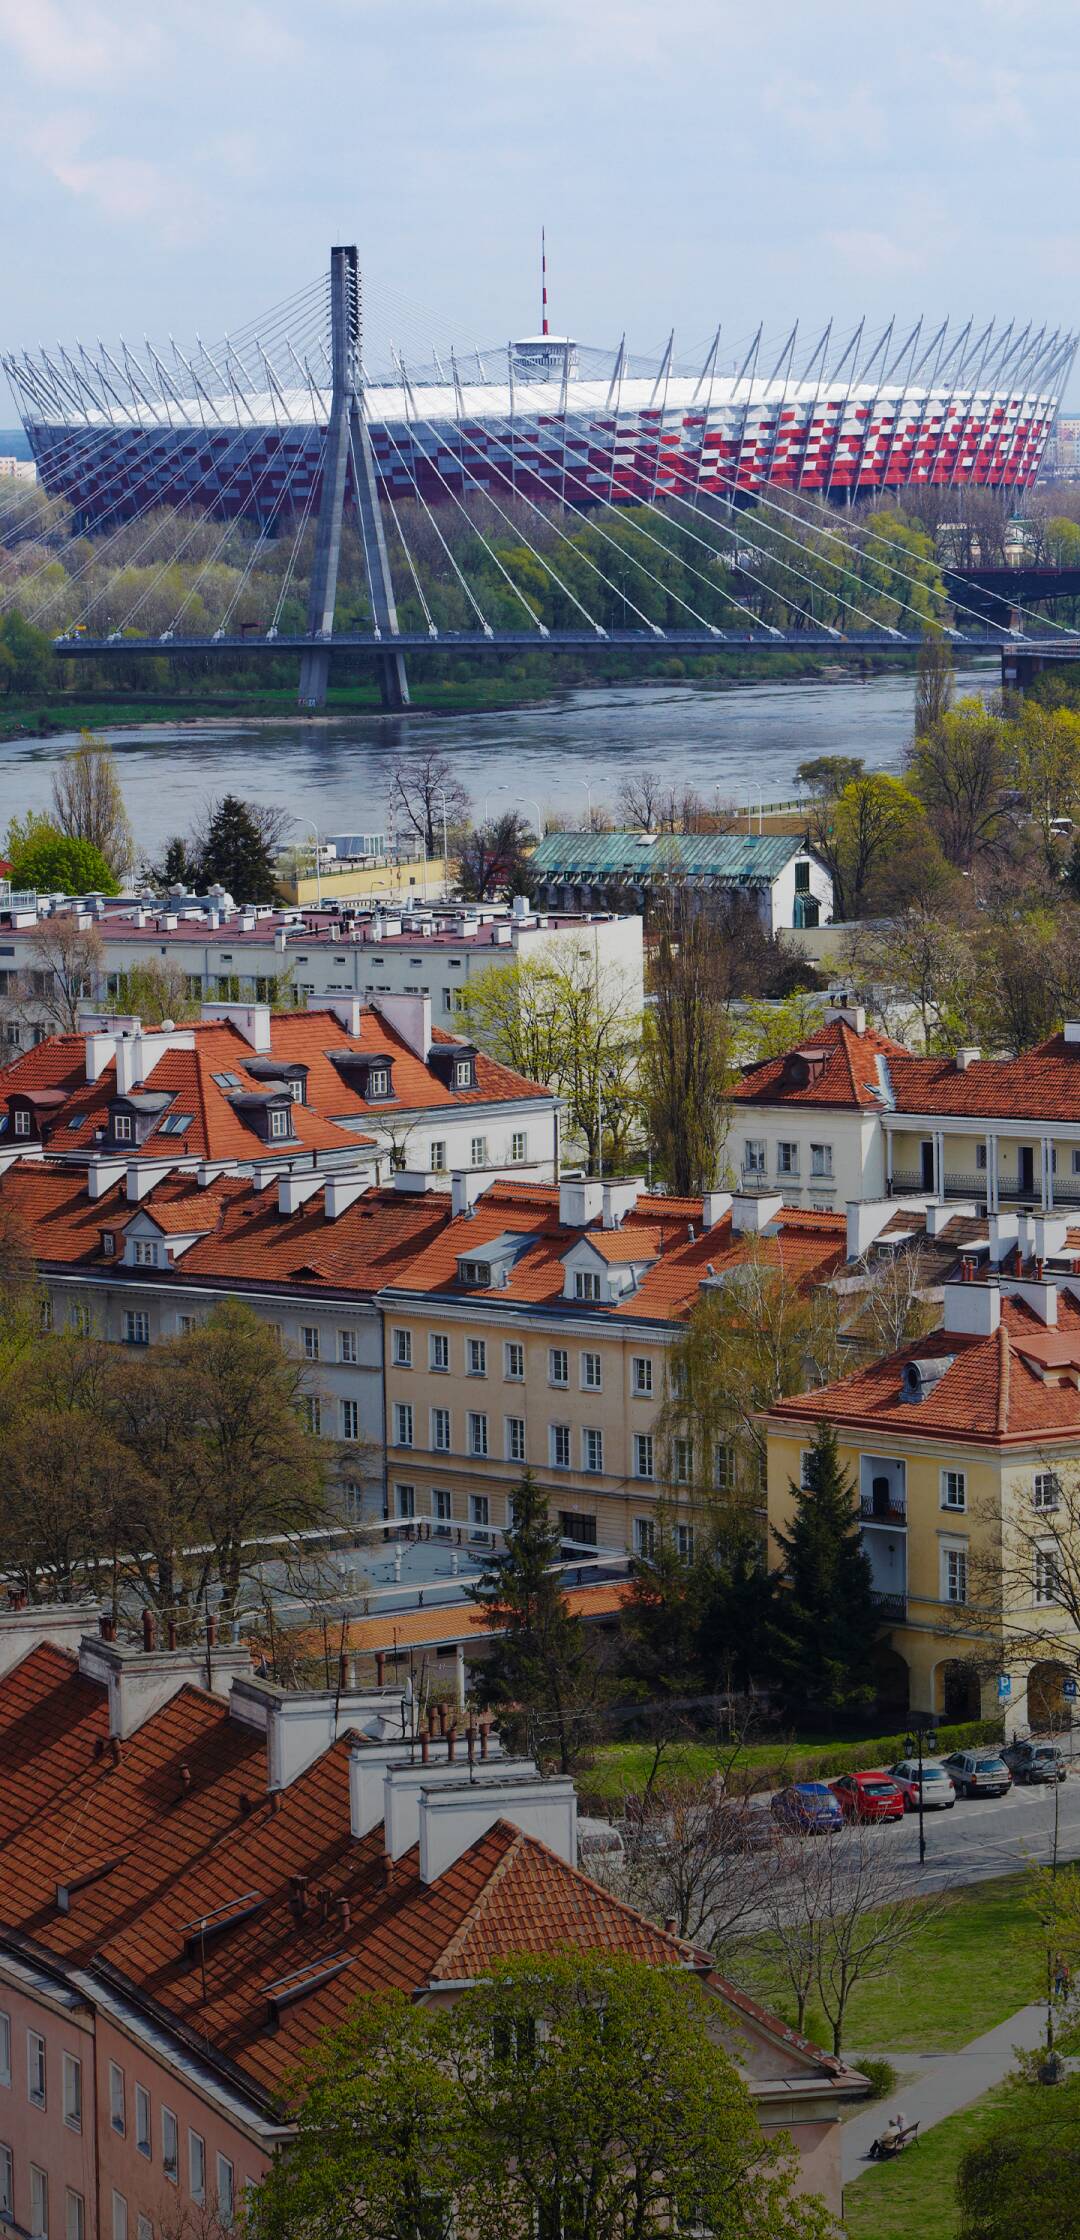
x=937 y=1789
x=978 y=1773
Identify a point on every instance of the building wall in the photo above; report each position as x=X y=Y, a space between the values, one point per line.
x=851 y=1142
x=140 y=2180
x=39 y=2138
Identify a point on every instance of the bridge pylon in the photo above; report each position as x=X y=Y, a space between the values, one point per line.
x=348 y=454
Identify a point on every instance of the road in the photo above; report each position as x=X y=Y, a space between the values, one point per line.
x=990 y=1835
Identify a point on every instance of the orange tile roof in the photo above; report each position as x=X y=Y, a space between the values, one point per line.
x=463 y=1621
x=852 y=1075
x=1040 y=1084
x=991 y=1394
x=328 y=1119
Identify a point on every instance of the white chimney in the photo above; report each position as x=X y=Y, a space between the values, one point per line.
x=138 y=1054
x=1041 y=1297
x=453 y=1818
x=342 y=1191
x=465 y=1189
x=867 y=1217
x=852 y=1014
x=971 y=1309
x=101 y=1174
x=520 y=906
x=140 y=1681
x=296 y=1187
x=1051 y=1233
x=940 y=1212
x=410 y=1017
x=968 y=1055
x=404 y=1786
x=580 y=1202
x=715 y=1207
x=619 y=1199
x=100 y=1052
x=1072 y=1030
x=60 y=1623
x=299 y=1724
x=751 y=1214
x=368 y=1762
x=347 y=1010
x=1004 y=1232
x=252 y=1020
x=143 y=1176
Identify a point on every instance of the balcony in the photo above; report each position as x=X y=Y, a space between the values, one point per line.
x=907 y=1182
x=875 y=1508
x=891 y=1608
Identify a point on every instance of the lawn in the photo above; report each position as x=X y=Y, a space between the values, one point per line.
x=971 y=1966
x=913 y=2198
x=621 y=1769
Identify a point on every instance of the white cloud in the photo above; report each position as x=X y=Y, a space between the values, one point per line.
x=126 y=189
x=68 y=44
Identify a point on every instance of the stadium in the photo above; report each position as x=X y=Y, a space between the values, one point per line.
x=239 y=431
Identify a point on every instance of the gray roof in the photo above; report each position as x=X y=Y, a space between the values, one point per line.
x=731 y=858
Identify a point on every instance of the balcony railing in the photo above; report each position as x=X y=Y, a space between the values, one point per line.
x=891 y=1607
x=873 y=1510
x=907 y=1183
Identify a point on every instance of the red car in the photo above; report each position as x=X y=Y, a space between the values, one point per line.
x=869 y=1796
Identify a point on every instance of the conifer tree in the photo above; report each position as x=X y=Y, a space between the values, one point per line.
x=826 y=1623
x=540 y=1675
x=234 y=853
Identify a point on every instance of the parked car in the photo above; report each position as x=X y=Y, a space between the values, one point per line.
x=1035 y=1761
x=809 y=1806
x=938 y=1794
x=978 y=1773
x=599 y=1846
x=869 y=1796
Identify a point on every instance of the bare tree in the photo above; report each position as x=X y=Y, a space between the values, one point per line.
x=423 y=790
x=686 y=1053
x=935 y=678
x=900 y=1301
x=701 y=1859
x=89 y=805
x=838 y=1909
x=1023 y=1576
x=640 y=800
x=68 y=960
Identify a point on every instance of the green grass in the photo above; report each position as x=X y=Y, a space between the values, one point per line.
x=913 y=2198
x=969 y=1967
x=622 y=1768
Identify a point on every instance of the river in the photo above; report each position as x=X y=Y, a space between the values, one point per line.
x=739 y=743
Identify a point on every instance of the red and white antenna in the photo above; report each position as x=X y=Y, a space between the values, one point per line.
x=543 y=283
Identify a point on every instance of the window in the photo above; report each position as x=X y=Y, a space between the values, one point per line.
x=144 y=2227
x=145 y=1253
x=313 y=1414
x=21 y=1123
x=226 y=2189
x=573 y=1525
x=74 y=2216
x=347 y=1346
x=403 y=1423
x=787 y=1158
x=644 y=1537
x=136 y=1328
x=442 y=1509
x=378 y=1082
x=980 y=1157
x=196 y=2155
x=309 y=1341
x=753 y=1155
x=515 y=1438
x=438 y=1350
x=1047 y=1490
x=821 y=1159
x=35 y=2070
x=478 y=1151
x=405 y=1500
x=954 y=1574
x=514 y=1361
x=1046 y=1579
x=591 y=1373
x=806 y=1464
x=403 y=1349
x=641 y=1376
x=519 y=1147
x=108 y=1243
x=476 y=1353
x=684 y=1541
x=558 y=1365
x=724 y=1467
x=350 y=1419
x=559 y=1445
x=440 y=1430
x=142 y=2120
x=592 y=1449
x=39 y=2203
x=7 y=2184
x=72 y=2092
x=586 y=1283
x=5 y=2049
x=185 y=1324
x=802 y=876
x=438 y=1157
x=682 y=1461
x=477 y=1272
x=479 y=1508
x=280 y=1121
x=123 y=1127
x=954 y=1489
x=463 y=1076
x=170 y=2146
x=643 y=1455
x=119 y=2217
x=116 y=2099
x=478 y=1434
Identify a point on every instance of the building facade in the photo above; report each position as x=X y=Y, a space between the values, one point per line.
x=787 y=885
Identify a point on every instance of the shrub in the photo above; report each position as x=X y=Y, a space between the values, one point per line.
x=880 y=2076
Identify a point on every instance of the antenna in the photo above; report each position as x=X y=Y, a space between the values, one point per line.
x=543 y=283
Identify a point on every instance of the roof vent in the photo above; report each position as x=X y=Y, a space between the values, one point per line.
x=920 y=1377
x=968 y=1055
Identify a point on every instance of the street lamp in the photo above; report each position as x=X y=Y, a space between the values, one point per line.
x=588 y=790
x=923 y=1729
x=534 y=804
x=487 y=797
x=318 y=866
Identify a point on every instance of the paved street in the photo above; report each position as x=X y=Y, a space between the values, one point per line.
x=942 y=2083
x=993 y=1836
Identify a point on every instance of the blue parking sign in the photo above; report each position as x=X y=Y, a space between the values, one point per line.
x=1004 y=1686
x=1069 y=1690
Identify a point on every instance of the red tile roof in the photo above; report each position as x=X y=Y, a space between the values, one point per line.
x=1041 y=1084
x=328 y=1119
x=1005 y=1387
x=852 y=1074
x=461 y=1621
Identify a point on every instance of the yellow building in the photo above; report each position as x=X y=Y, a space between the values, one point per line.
x=963 y=1449
x=384 y=881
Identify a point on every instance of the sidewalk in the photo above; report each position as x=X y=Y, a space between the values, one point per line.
x=943 y=2082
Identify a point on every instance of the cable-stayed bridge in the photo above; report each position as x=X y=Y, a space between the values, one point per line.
x=487 y=517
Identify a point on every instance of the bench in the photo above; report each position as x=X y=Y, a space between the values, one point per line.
x=886 y=2147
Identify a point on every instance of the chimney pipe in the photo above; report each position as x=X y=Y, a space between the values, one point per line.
x=451 y=1745
x=485 y=1735
x=171 y=1635
x=388 y=1871
x=107 y=1627
x=425 y=1747
x=298 y=1895
x=149 y=1631
x=380 y=1667
x=211 y=1629
x=470 y=1742
x=442 y=1721
x=671 y=1925
x=185 y=1780
x=344 y=1913
x=432 y=1719
x=343 y=1673
x=116 y=1748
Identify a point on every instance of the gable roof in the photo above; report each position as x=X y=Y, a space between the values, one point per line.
x=729 y=859
x=1040 y=1084
x=856 y=1073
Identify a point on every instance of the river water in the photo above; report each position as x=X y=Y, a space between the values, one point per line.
x=736 y=744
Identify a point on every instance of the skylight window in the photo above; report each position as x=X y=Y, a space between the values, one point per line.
x=175 y=1123
x=227 y=1080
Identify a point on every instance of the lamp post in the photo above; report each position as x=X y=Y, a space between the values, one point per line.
x=922 y=1728
x=318 y=865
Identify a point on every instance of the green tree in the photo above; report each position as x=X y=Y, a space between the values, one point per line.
x=153 y=992
x=234 y=853
x=540 y=1675
x=28 y=663
x=89 y=805
x=935 y=680
x=568 y=1022
x=826 y=1623
x=1023 y=2176
x=686 y=1053
x=958 y=769
x=828 y=774
x=576 y=2094
x=872 y=823
x=51 y=860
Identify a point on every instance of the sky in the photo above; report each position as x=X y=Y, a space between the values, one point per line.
x=177 y=168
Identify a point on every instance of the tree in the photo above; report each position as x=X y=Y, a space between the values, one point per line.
x=826 y=1624
x=63 y=1468
x=580 y=2093
x=686 y=1054
x=828 y=774
x=52 y=862
x=234 y=852
x=153 y=992
x=565 y=1021
x=20 y=1293
x=935 y=680
x=89 y=805
x=1023 y=2174
x=899 y=1301
x=1047 y=764
x=873 y=820
x=540 y=1674
x=68 y=961
x=494 y=860
x=958 y=769
x=28 y=663
x=177 y=867
x=837 y=1911
x=919 y=962
x=429 y=799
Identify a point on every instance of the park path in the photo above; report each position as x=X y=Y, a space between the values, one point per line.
x=942 y=2083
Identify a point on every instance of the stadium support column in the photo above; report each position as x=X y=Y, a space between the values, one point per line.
x=347 y=439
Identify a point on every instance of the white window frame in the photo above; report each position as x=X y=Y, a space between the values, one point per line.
x=403 y=1423
x=309 y=1340
x=72 y=2089
x=280 y=1123
x=403 y=1349
x=592 y=1450
x=20 y=1122
x=587 y=1285
x=350 y=1419
x=136 y=1326
x=123 y=1127
x=754 y=1155
x=644 y=1536
x=143 y=2119
x=787 y=1158
x=439 y=1343
x=682 y=1460
x=558 y=1368
x=476 y=1357
x=347 y=1348
x=7 y=2185
x=644 y=1456
x=821 y=1162
x=37 y=2082
x=196 y=2165
x=559 y=1446
x=953 y=1490
x=313 y=1414
x=405 y=1503
x=477 y=1433
x=226 y=2189
x=119 y=2216
x=5 y=2047
x=590 y=1363
x=1046 y=1575
x=478 y=1151
x=1046 y=1490
x=641 y=1375
x=39 y=2202
x=519 y=1147
x=515 y=1439
x=441 y=1431
x=480 y=1509
x=437 y=1155
x=514 y=1361
x=954 y=1560
x=74 y=2214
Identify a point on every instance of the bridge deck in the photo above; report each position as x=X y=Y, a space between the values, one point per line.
x=577 y=641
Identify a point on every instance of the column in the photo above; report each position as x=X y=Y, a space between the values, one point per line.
x=888 y=1162
x=939 y=1163
x=991 y=1173
x=459 y=1676
x=1048 y=1174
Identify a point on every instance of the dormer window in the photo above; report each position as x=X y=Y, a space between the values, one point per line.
x=378 y=1082
x=145 y=1253
x=108 y=1243
x=296 y=1088
x=463 y=1073
x=280 y=1123
x=476 y=1272
x=586 y=1283
x=123 y=1127
x=21 y=1122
